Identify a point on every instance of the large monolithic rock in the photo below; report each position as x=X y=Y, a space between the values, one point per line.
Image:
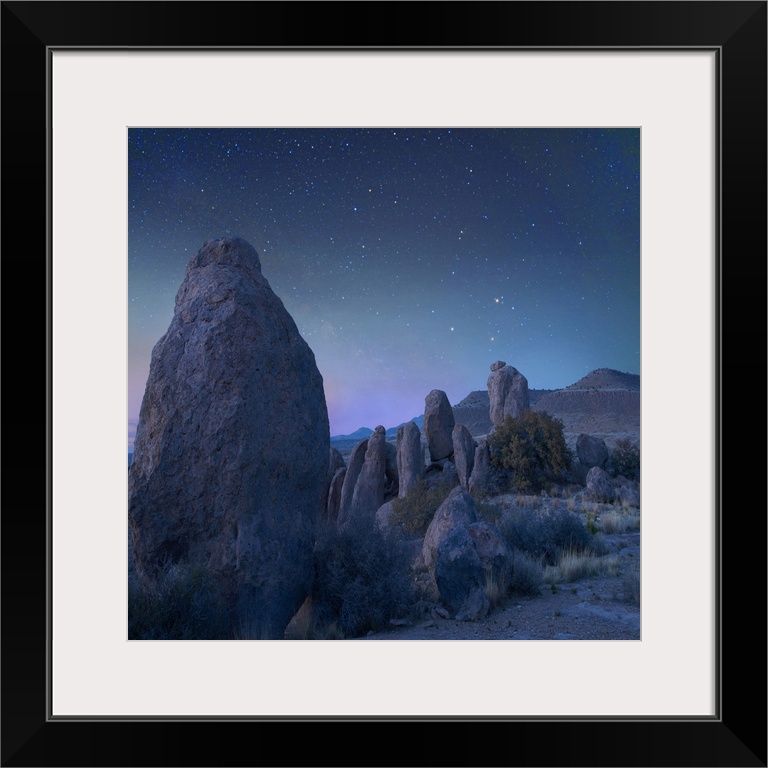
x=438 y=425
x=232 y=449
x=507 y=391
x=410 y=460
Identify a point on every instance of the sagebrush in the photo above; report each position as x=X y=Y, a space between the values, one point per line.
x=363 y=578
x=530 y=450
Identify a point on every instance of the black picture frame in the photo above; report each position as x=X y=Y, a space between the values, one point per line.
x=736 y=736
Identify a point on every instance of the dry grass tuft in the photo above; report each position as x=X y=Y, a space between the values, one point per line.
x=576 y=564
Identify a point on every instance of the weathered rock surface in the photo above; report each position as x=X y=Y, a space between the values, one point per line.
x=507 y=392
x=438 y=425
x=627 y=494
x=591 y=451
x=356 y=461
x=463 y=453
x=479 y=480
x=334 y=495
x=460 y=577
x=336 y=462
x=493 y=551
x=457 y=510
x=368 y=494
x=410 y=460
x=392 y=484
x=599 y=486
x=232 y=453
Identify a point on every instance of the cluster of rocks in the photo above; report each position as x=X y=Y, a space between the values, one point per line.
x=232 y=466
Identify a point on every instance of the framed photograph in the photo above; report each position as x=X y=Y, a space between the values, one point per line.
x=689 y=79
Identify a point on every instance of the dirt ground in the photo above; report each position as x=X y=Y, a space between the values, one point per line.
x=595 y=608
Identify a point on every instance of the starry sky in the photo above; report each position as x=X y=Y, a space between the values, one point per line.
x=410 y=258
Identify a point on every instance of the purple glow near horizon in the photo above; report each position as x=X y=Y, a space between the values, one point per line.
x=410 y=259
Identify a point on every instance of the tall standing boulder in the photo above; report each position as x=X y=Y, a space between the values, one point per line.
x=480 y=479
x=410 y=460
x=507 y=391
x=464 y=447
x=356 y=461
x=232 y=450
x=438 y=425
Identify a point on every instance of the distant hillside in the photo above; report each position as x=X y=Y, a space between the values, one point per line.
x=357 y=435
x=607 y=378
x=605 y=403
x=473 y=410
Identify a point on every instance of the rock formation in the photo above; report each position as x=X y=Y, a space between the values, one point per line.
x=334 y=495
x=438 y=425
x=479 y=480
x=463 y=453
x=457 y=510
x=356 y=461
x=599 y=486
x=410 y=462
x=591 y=451
x=507 y=391
x=232 y=447
x=375 y=481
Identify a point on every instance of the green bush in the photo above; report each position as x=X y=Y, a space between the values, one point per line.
x=362 y=579
x=626 y=459
x=530 y=449
x=182 y=604
x=414 y=512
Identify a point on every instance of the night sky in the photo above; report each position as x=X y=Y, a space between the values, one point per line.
x=410 y=259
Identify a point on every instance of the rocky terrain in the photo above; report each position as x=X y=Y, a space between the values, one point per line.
x=243 y=509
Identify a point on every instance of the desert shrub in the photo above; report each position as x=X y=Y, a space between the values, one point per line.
x=527 y=575
x=619 y=521
x=625 y=458
x=488 y=512
x=362 y=579
x=530 y=450
x=544 y=533
x=577 y=563
x=415 y=511
x=183 y=604
x=631 y=585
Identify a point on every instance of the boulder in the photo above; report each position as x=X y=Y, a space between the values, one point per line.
x=493 y=550
x=368 y=494
x=410 y=460
x=336 y=462
x=334 y=495
x=591 y=451
x=438 y=425
x=599 y=486
x=507 y=392
x=356 y=461
x=458 y=509
x=460 y=577
x=463 y=453
x=479 y=480
x=232 y=453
